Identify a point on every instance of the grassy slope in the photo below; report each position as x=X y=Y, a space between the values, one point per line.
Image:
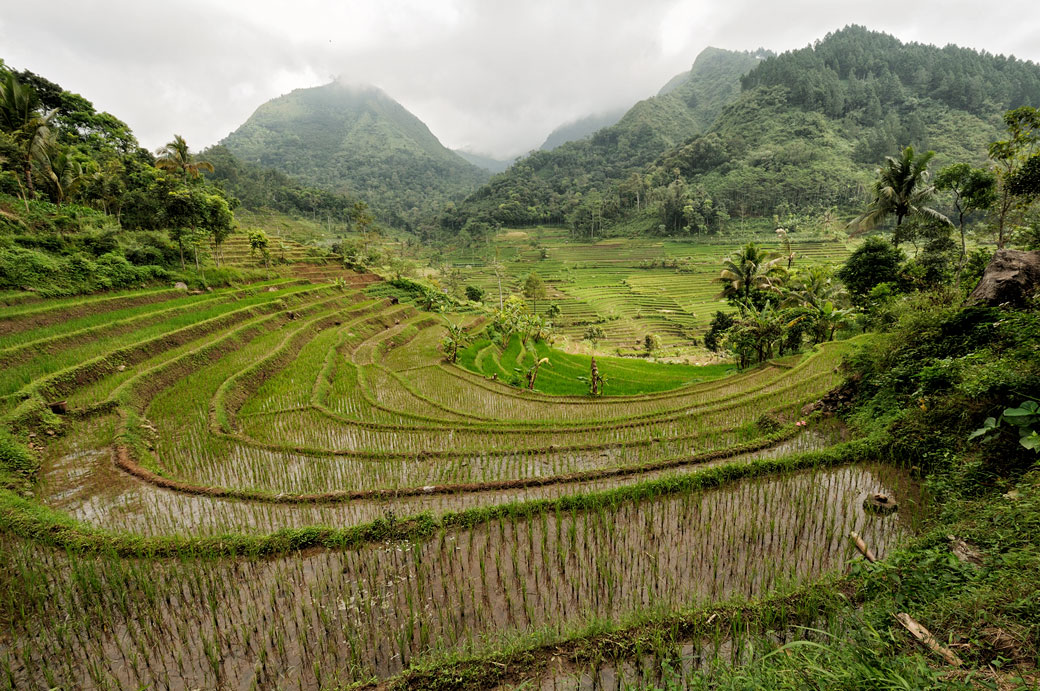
x=560 y=375
x=629 y=286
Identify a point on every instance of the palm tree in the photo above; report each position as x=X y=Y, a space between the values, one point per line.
x=901 y=190
x=18 y=104
x=68 y=174
x=176 y=157
x=750 y=269
x=812 y=287
x=816 y=291
x=30 y=130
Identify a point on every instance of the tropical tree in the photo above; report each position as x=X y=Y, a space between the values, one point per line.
x=829 y=318
x=901 y=190
x=595 y=380
x=973 y=189
x=532 y=374
x=764 y=327
x=1016 y=160
x=748 y=274
x=258 y=242
x=29 y=133
x=534 y=290
x=872 y=263
x=510 y=319
x=219 y=221
x=68 y=174
x=819 y=295
x=453 y=340
x=594 y=334
x=176 y=157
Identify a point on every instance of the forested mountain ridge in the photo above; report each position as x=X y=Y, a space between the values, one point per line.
x=811 y=124
x=802 y=132
x=357 y=141
x=265 y=189
x=547 y=185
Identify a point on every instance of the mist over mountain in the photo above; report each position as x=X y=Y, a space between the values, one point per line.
x=542 y=187
x=357 y=141
x=488 y=163
x=581 y=128
x=757 y=134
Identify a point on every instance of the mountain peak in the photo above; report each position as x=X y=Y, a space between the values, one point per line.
x=356 y=139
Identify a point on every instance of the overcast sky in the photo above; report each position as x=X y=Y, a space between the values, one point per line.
x=490 y=76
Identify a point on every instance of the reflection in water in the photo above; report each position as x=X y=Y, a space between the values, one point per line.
x=373 y=610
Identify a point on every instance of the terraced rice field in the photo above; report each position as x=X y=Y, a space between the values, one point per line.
x=628 y=286
x=286 y=486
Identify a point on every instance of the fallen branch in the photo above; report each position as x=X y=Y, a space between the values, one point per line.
x=925 y=636
x=862 y=547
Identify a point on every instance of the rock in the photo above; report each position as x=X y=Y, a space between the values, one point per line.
x=272 y=289
x=880 y=503
x=1010 y=278
x=58 y=407
x=180 y=285
x=965 y=551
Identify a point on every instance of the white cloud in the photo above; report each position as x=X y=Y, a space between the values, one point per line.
x=490 y=75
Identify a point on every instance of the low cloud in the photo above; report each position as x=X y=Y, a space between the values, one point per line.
x=489 y=76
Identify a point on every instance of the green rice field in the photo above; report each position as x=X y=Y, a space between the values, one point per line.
x=628 y=286
x=286 y=485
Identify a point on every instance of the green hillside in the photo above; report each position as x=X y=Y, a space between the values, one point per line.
x=810 y=125
x=547 y=185
x=748 y=135
x=356 y=141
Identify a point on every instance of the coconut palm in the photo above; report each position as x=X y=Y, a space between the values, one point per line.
x=815 y=290
x=176 y=157
x=748 y=270
x=18 y=104
x=68 y=175
x=30 y=131
x=901 y=190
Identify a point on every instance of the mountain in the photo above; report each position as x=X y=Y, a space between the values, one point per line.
x=546 y=185
x=581 y=128
x=356 y=141
x=488 y=163
x=796 y=135
x=811 y=125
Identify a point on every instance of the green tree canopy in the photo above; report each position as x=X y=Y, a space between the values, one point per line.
x=901 y=190
x=748 y=275
x=872 y=263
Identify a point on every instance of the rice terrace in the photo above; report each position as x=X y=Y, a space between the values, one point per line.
x=739 y=389
x=290 y=475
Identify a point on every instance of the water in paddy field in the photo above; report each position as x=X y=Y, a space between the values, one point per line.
x=328 y=617
x=80 y=479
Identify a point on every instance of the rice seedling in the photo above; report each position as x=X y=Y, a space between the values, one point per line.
x=287 y=485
